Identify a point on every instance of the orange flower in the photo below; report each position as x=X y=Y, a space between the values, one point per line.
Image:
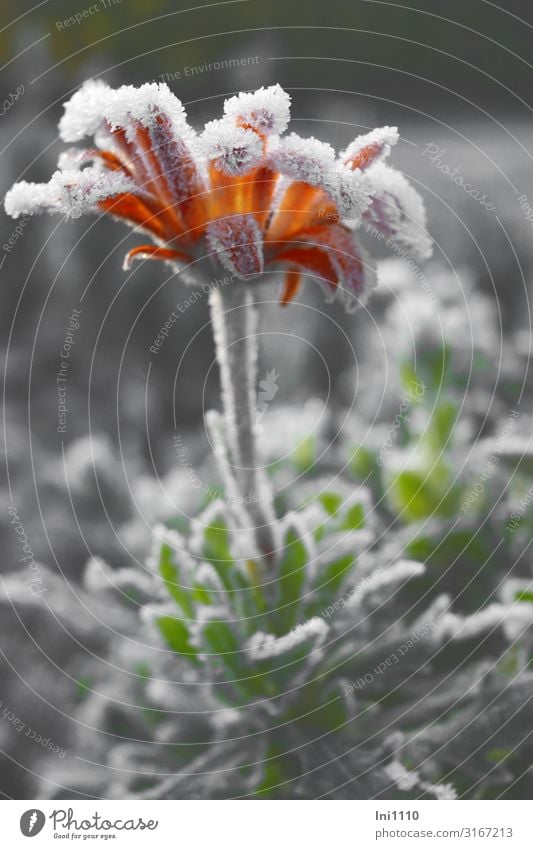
x=242 y=191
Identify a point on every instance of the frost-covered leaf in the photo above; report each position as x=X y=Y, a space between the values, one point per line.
x=292 y=574
x=176 y=634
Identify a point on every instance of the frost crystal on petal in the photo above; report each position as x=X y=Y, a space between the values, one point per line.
x=145 y=104
x=30 y=198
x=233 y=149
x=350 y=191
x=238 y=243
x=84 y=112
x=307 y=160
x=73 y=158
x=97 y=102
x=69 y=192
x=370 y=148
x=356 y=274
x=266 y=110
x=398 y=210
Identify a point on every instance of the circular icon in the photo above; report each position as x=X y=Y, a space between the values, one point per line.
x=32 y=822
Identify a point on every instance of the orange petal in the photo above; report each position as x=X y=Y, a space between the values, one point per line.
x=113 y=162
x=293 y=281
x=364 y=157
x=265 y=180
x=153 y=252
x=158 y=182
x=131 y=208
x=353 y=273
x=294 y=211
x=142 y=162
x=130 y=157
x=181 y=175
x=229 y=195
x=310 y=259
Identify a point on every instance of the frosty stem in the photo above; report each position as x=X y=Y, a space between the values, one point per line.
x=234 y=316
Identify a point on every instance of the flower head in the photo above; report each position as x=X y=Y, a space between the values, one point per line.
x=241 y=191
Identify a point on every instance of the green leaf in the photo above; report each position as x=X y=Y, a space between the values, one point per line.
x=291 y=579
x=334 y=574
x=480 y=362
x=83 y=686
x=499 y=755
x=417 y=495
x=320 y=531
x=354 y=518
x=363 y=462
x=330 y=712
x=222 y=641
x=142 y=670
x=176 y=635
x=217 y=551
x=433 y=366
x=410 y=380
x=304 y=454
x=330 y=501
x=169 y=572
x=217 y=544
x=201 y=595
x=465 y=557
x=524 y=595
x=277 y=769
x=441 y=425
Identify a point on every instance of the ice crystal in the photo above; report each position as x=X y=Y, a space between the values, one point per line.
x=263 y=646
x=266 y=110
x=70 y=192
x=370 y=148
x=233 y=149
x=96 y=103
x=397 y=210
x=306 y=160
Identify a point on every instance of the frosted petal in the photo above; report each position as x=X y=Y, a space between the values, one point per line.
x=69 y=192
x=95 y=102
x=73 y=158
x=233 y=149
x=370 y=148
x=145 y=104
x=350 y=191
x=84 y=112
x=398 y=210
x=238 y=243
x=266 y=110
x=306 y=160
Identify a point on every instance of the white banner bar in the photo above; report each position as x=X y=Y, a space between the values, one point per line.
x=268 y=824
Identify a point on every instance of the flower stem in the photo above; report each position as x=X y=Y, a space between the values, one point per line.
x=235 y=320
